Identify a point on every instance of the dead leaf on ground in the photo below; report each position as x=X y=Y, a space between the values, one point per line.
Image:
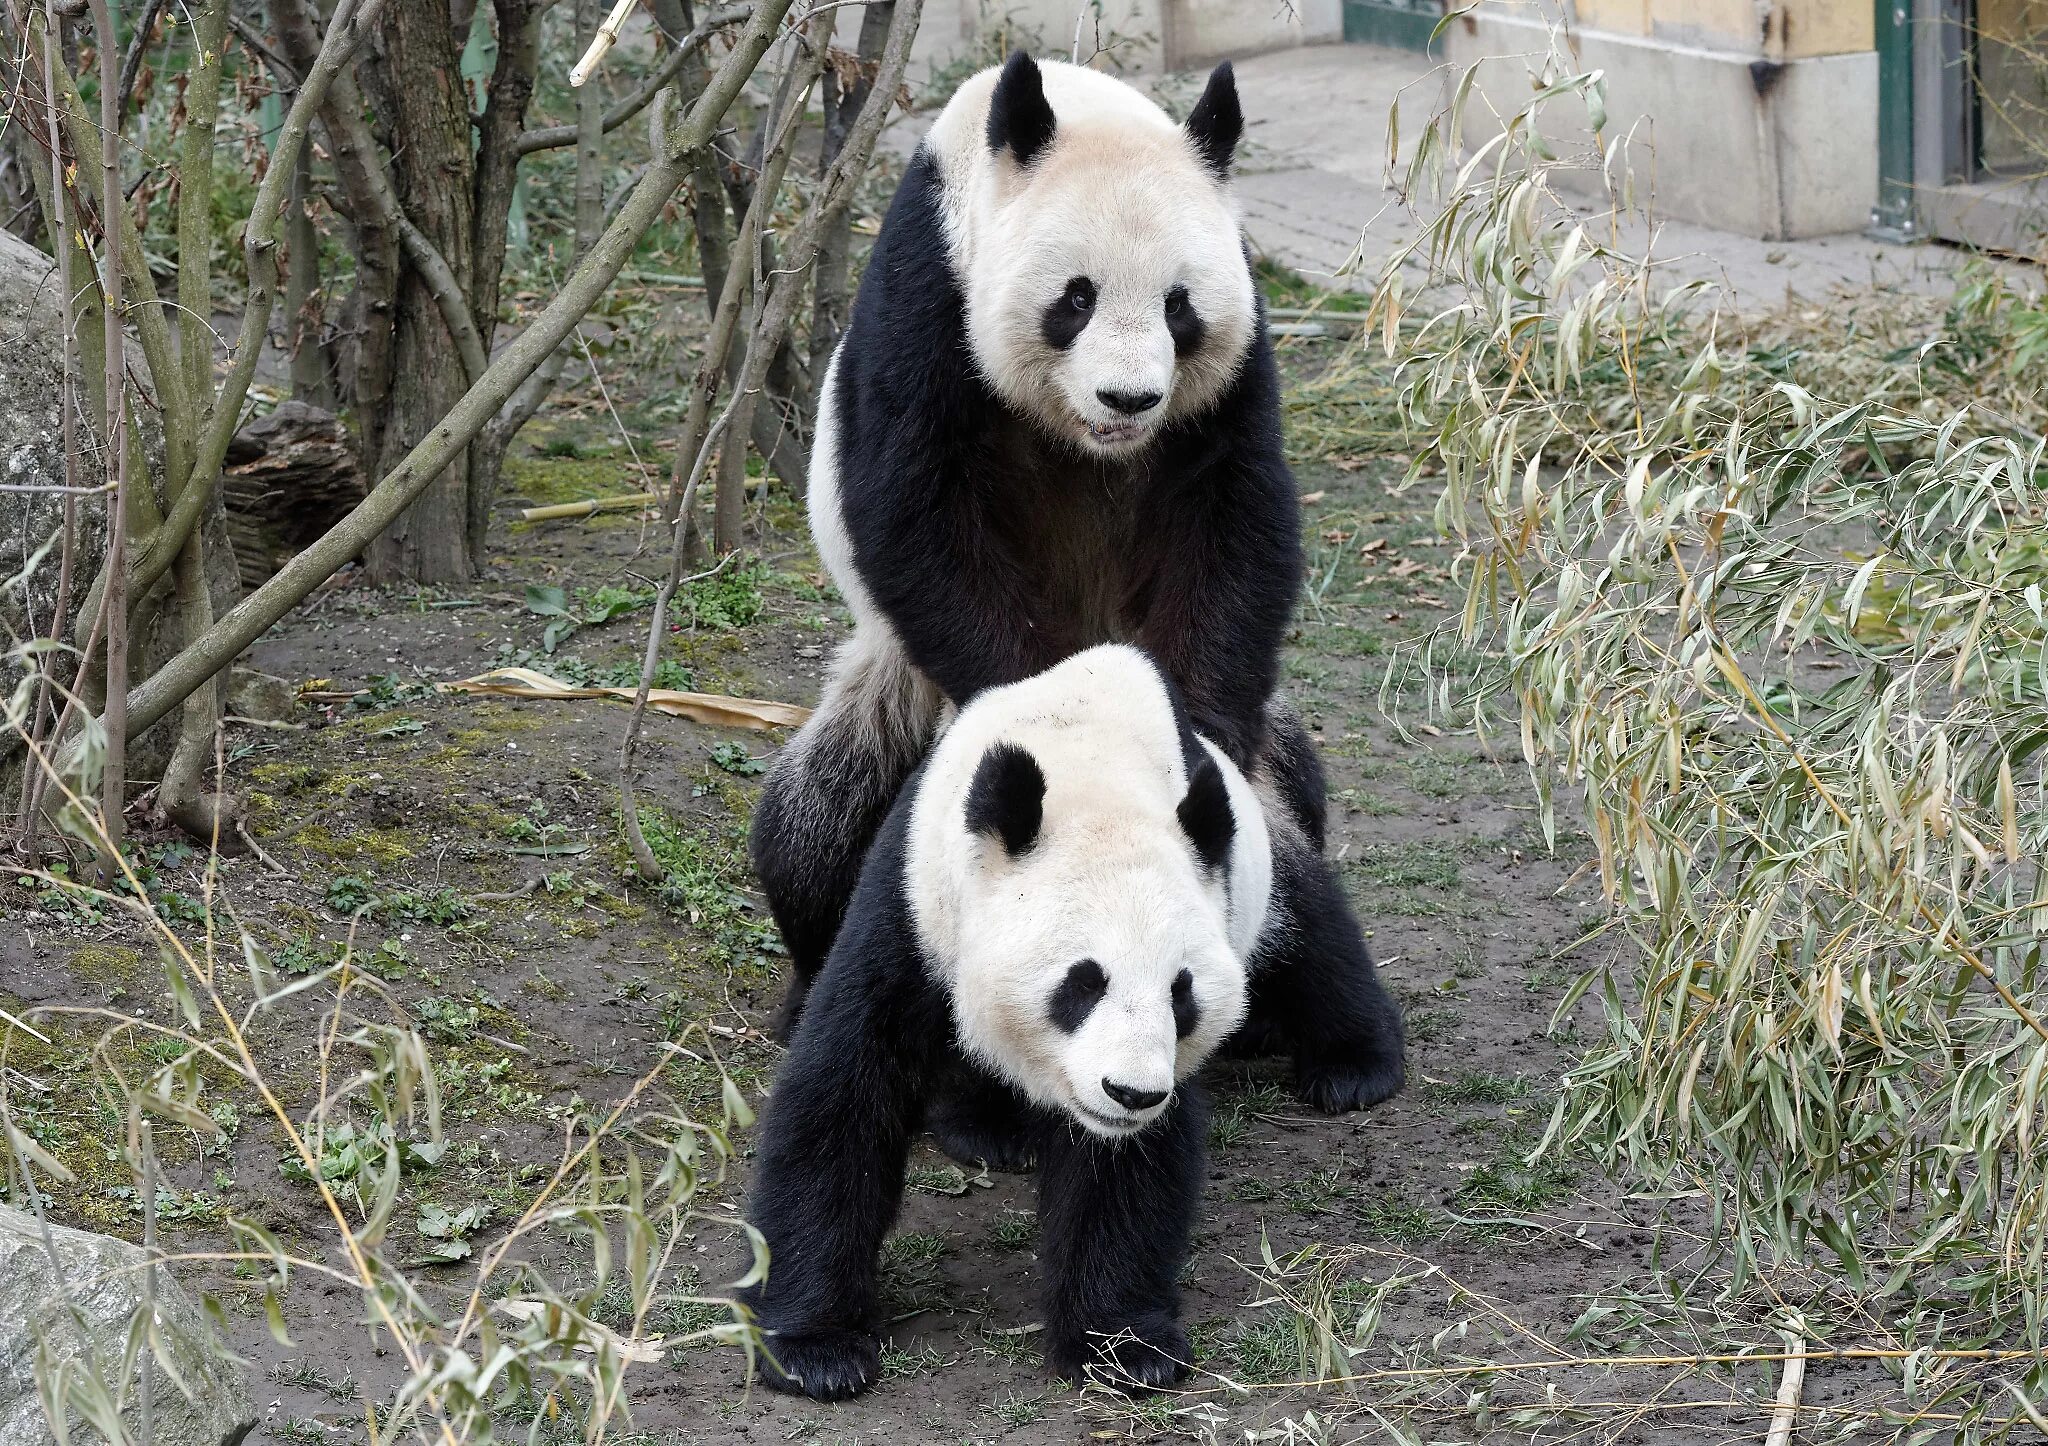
x=1308 y=498
x=713 y=708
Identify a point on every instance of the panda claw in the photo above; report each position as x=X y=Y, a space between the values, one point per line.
x=1335 y=1088
x=1132 y=1361
x=830 y=1365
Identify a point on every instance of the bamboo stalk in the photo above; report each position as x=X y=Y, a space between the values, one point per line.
x=607 y=36
x=556 y=511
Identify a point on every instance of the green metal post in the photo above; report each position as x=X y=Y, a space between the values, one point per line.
x=1893 y=217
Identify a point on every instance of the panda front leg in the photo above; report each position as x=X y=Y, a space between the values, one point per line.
x=829 y=1179
x=828 y=793
x=1315 y=991
x=1114 y=1218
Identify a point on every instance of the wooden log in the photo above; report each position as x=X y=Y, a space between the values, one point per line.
x=290 y=476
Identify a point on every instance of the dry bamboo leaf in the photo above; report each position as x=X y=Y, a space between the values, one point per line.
x=713 y=708
x=645 y=1351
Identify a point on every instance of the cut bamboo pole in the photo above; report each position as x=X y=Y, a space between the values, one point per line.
x=558 y=510
x=607 y=36
x=1785 y=1414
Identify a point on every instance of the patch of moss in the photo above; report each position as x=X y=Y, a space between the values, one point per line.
x=546 y=481
x=383 y=846
x=107 y=964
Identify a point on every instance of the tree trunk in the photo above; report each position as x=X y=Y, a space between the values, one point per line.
x=411 y=73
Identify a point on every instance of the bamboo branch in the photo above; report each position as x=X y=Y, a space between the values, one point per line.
x=607 y=37
x=255 y=614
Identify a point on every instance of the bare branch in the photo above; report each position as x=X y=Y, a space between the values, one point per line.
x=254 y=615
x=259 y=249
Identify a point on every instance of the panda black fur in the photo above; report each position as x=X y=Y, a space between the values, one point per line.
x=990 y=496
x=1066 y=900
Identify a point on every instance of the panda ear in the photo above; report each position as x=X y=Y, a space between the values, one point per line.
x=1019 y=118
x=1205 y=812
x=1007 y=798
x=1217 y=121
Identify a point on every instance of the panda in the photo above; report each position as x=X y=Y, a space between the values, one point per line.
x=1066 y=900
x=1053 y=422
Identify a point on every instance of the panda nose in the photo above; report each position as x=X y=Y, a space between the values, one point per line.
x=1129 y=1098
x=1129 y=403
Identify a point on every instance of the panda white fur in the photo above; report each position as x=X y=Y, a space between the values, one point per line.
x=1053 y=422
x=1067 y=899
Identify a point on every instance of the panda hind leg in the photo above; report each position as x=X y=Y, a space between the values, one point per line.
x=827 y=794
x=1316 y=992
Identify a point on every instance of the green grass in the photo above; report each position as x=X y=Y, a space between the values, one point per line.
x=1408 y=865
x=1398 y=1221
x=1473 y=1088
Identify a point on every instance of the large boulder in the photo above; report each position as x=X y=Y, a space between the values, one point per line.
x=102 y=1277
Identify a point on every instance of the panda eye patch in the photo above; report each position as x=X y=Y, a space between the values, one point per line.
x=1186 y=1013
x=1077 y=996
x=1068 y=314
x=1183 y=322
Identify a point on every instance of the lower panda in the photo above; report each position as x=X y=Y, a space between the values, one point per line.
x=1070 y=903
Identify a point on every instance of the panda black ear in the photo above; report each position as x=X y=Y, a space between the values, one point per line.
x=1217 y=121
x=1007 y=798
x=1205 y=812
x=1019 y=117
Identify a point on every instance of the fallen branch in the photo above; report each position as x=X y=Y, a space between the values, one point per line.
x=716 y=709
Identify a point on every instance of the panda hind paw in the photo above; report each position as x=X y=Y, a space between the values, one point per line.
x=830 y=1365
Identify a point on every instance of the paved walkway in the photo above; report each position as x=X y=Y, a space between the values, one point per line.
x=1312 y=184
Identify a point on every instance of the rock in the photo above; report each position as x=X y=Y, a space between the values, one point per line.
x=104 y=1278
x=261 y=696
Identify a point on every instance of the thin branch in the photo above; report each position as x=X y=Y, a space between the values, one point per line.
x=113 y=783
x=138 y=46
x=259 y=249
x=546 y=138
x=288 y=76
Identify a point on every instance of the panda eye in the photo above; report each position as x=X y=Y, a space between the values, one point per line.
x=1186 y=1013
x=1080 y=295
x=1077 y=996
x=1176 y=301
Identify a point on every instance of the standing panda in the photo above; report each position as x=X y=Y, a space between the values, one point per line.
x=1065 y=901
x=1054 y=422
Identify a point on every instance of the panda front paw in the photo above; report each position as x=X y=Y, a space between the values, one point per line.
x=1145 y=1356
x=828 y=1365
x=983 y=1126
x=1336 y=1085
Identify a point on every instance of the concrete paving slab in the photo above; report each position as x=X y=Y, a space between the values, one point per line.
x=1313 y=186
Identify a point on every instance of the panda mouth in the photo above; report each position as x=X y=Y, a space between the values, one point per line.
x=1112 y=1124
x=1113 y=434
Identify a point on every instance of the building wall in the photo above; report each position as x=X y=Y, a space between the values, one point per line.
x=1144 y=35
x=1756 y=116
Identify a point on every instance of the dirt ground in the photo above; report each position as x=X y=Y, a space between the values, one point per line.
x=566 y=992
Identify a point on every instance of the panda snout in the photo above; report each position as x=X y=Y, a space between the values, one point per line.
x=1131 y=1098
x=1131 y=404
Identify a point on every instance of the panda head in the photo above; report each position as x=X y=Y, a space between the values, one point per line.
x=1108 y=289
x=1097 y=967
